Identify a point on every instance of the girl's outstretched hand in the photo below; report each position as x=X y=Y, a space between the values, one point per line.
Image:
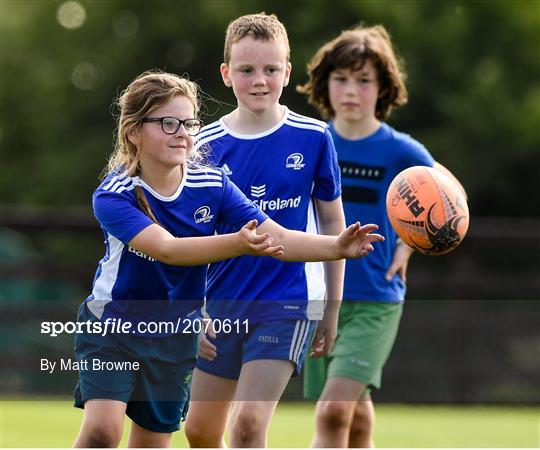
x=356 y=240
x=251 y=243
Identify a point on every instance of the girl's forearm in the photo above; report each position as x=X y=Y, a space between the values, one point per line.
x=158 y=243
x=193 y=251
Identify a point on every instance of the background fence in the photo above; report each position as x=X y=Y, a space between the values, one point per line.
x=470 y=330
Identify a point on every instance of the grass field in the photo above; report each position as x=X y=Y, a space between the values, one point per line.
x=55 y=424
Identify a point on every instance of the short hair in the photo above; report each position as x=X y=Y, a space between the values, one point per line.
x=260 y=26
x=350 y=50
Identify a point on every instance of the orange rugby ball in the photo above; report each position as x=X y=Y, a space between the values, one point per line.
x=428 y=210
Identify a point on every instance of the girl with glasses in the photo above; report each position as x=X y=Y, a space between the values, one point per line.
x=158 y=208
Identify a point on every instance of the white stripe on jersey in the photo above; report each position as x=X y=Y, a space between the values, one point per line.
x=118 y=184
x=305 y=126
x=113 y=179
x=125 y=188
x=102 y=291
x=314 y=275
x=207 y=170
x=208 y=139
x=202 y=176
x=202 y=184
x=209 y=133
x=209 y=129
x=305 y=119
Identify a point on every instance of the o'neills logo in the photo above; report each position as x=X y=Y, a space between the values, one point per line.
x=203 y=215
x=294 y=161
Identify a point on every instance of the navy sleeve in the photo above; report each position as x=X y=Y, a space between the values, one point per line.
x=327 y=177
x=119 y=215
x=236 y=208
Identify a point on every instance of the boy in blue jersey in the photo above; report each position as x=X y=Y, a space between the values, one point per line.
x=285 y=163
x=355 y=80
x=151 y=281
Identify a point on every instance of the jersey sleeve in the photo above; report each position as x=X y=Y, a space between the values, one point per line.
x=327 y=183
x=203 y=143
x=119 y=215
x=416 y=155
x=236 y=208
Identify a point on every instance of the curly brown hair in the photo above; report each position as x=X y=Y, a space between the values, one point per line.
x=350 y=50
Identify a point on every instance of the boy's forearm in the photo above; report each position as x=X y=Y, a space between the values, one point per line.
x=334 y=271
x=308 y=247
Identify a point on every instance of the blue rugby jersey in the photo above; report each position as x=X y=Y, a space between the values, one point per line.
x=135 y=287
x=368 y=166
x=280 y=170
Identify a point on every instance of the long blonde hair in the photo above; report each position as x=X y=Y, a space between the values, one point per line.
x=144 y=94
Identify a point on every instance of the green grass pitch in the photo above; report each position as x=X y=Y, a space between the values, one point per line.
x=50 y=423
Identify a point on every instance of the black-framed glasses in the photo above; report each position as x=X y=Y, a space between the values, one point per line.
x=170 y=125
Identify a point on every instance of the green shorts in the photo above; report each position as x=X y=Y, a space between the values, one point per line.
x=366 y=334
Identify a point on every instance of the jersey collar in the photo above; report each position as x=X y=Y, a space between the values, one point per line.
x=258 y=135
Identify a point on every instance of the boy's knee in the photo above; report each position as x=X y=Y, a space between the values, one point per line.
x=199 y=435
x=363 y=419
x=246 y=427
x=334 y=414
x=193 y=431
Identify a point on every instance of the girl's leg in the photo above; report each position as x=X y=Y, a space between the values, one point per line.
x=103 y=424
x=140 y=437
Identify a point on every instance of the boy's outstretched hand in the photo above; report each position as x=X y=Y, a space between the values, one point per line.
x=251 y=243
x=356 y=240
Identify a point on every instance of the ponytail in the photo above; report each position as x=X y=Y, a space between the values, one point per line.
x=144 y=205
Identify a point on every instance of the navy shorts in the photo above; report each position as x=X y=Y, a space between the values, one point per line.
x=156 y=392
x=287 y=340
